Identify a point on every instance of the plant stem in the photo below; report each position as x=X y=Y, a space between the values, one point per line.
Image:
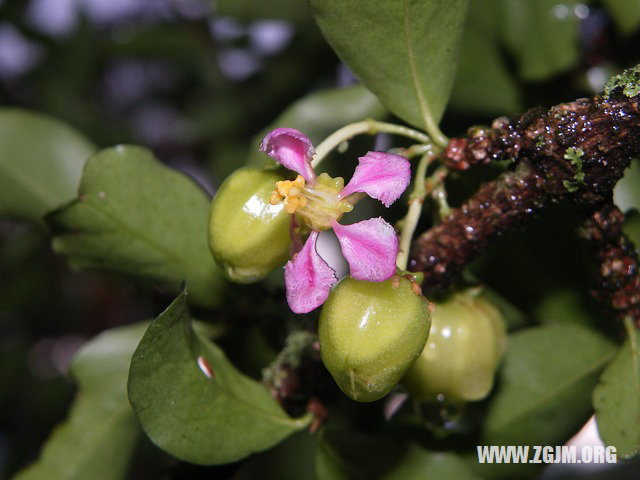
x=368 y=126
x=416 y=199
x=417 y=149
x=436 y=134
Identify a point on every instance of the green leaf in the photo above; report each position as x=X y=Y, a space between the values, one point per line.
x=403 y=51
x=136 y=217
x=351 y=456
x=543 y=36
x=320 y=113
x=193 y=403
x=625 y=13
x=41 y=162
x=545 y=385
x=616 y=399
x=483 y=83
x=626 y=193
x=98 y=438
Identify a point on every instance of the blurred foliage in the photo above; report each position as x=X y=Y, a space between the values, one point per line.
x=546 y=377
x=40 y=171
x=198 y=82
x=97 y=439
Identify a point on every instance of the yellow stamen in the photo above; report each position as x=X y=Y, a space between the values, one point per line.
x=282 y=188
x=291 y=204
x=291 y=192
x=275 y=198
x=294 y=192
x=315 y=206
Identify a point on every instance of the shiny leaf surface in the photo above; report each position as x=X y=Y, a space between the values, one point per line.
x=193 y=403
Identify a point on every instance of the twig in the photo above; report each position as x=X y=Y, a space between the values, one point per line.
x=617 y=280
x=603 y=133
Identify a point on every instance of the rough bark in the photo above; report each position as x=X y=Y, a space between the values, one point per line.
x=616 y=279
x=605 y=132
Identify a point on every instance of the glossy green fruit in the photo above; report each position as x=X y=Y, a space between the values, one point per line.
x=248 y=236
x=458 y=363
x=371 y=333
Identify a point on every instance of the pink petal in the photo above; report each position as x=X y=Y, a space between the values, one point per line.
x=292 y=149
x=370 y=247
x=308 y=278
x=383 y=176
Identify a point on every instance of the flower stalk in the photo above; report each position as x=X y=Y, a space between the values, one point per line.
x=369 y=127
x=416 y=199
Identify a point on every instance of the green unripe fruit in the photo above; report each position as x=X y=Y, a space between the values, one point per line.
x=459 y=361
x=248 y=236
x=371 y=333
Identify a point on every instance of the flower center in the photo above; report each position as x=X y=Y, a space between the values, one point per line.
x=317 y=205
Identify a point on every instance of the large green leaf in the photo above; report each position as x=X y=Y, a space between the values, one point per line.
x=193 y=403
x=542 y=34
x=346 y=455
x=321 y=113
x=41 y=162
x=616 y=400
x=626 y=14
x=404 y=51
x=545 y=385
x=484 y=83
x=136 y=217
x=97 y=439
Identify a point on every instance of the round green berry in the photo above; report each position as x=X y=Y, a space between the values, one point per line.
x=248 y=236
x=459 y=360
x=371 y=333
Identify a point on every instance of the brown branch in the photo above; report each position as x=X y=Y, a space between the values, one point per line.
x=617 y=280
x=606 y=131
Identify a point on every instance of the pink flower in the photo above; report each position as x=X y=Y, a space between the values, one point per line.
x=318 y=202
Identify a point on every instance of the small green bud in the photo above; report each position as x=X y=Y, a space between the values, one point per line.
x=371 y=333
x=248 y=236
x=467 y=339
